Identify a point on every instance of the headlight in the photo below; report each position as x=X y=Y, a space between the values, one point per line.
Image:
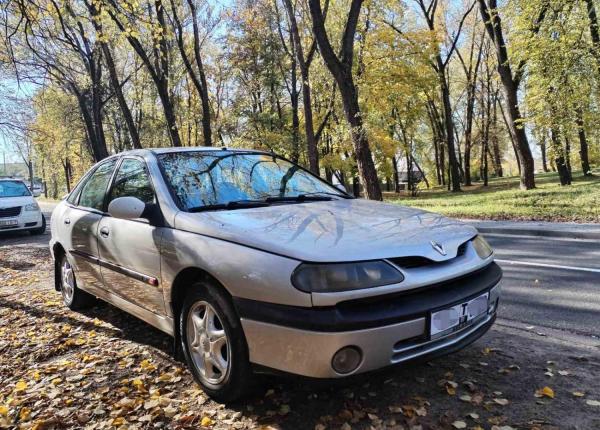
x=327 y=278
x=32 y=207
x=483 y=249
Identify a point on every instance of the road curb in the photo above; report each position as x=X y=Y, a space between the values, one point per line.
x=569 y=234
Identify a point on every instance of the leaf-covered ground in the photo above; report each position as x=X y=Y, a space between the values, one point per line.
x=103 y=369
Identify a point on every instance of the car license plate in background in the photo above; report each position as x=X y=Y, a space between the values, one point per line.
x=453 y=318
x=8 y=222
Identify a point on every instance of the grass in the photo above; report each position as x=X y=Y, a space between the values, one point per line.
x=503 y=200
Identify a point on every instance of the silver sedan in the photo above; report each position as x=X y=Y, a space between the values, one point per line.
x=254 y=264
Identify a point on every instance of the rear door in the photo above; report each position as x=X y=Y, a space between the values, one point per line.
x=80 y=222
x=130 y=249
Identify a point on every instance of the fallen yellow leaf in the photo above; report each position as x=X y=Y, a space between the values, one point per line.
x=545 y=392
x=119 y=421
x=24 y=414
x=206 y=422
x=3 y=411
x=21 y=385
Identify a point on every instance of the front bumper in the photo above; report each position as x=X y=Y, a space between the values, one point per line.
x=25 y=221
x=390 y=331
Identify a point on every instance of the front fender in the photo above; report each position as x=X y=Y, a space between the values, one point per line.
x=244 y=272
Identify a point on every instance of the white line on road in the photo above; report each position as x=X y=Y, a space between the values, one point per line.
x=528 y=236
x=552 y=266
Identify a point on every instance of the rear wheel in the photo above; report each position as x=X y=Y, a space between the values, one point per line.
x=73 y=297
x=214 y=344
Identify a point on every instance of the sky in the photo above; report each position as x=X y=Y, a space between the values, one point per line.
x=22 y=89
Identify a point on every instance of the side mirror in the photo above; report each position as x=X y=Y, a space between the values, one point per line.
x=126 y=208
x=341 y=187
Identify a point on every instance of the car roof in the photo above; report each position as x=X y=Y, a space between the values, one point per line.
x=168 y=150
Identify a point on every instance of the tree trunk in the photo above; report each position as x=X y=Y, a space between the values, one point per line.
x=468 y=134
x=583 y=145
x=304 y=64
x=341 y=69
x=396 y=175
x=495 y=143
x=510 y=87
x=159 y=70
x=206 y=114
x=568 y=157
x=559 y=159
x=114 y=80
x=96 y=146
x=449 y=124
x=311 y=141
x=294 y=96
x=544 y=158
x=593 y=24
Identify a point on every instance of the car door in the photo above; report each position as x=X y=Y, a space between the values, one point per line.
x=80 y=222
x=130 y=249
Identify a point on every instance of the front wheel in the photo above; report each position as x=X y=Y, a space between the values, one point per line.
x=214 y=344
x=74 y=298
x=41 y=229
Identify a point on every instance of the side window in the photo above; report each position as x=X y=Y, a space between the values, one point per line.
x=132 y=181
x=74 y=196
x=94 y=190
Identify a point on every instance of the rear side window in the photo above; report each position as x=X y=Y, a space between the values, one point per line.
x=132 y=180
x=94 y=190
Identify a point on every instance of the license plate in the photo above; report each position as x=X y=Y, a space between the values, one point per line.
x=458 y=316
x=8 y=222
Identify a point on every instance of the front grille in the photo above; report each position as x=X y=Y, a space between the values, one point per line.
x=10 y=212
x=416 y=261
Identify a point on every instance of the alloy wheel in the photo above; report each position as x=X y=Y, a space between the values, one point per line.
x=208 y=343
x=68 y=281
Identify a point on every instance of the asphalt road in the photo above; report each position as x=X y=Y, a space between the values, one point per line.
x=549 y=283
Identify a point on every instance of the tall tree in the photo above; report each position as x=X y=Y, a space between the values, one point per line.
x=304 y=62
x=440 y=65
x=94 y=9
x=341 y=69
x=471 y=69
x=198 y=74
x=126 y=17
x=510 y=86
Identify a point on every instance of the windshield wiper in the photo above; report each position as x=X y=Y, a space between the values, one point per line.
x=235 y=204
x=299 y=198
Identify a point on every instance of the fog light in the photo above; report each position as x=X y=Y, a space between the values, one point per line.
x=346 y=359
x=493 y=306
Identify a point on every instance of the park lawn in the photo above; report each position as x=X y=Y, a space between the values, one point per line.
x=503 y=200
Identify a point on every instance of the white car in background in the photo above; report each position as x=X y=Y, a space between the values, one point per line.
x=19 y=209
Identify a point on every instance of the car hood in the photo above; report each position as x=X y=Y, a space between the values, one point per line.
x=334 y=231
x=11 y=202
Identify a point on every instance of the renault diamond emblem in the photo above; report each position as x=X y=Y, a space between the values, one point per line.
x=438 y=247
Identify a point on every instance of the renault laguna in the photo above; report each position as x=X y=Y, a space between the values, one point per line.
x=253 y=264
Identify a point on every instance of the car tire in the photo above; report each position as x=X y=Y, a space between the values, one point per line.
x=213 y=343
x=73 y=297
x=41 y=229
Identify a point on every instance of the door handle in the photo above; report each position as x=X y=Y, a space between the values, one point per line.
x=104 y=232
x=67 y=221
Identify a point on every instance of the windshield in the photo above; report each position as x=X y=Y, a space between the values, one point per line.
x=202 y=178
x=13 y=189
